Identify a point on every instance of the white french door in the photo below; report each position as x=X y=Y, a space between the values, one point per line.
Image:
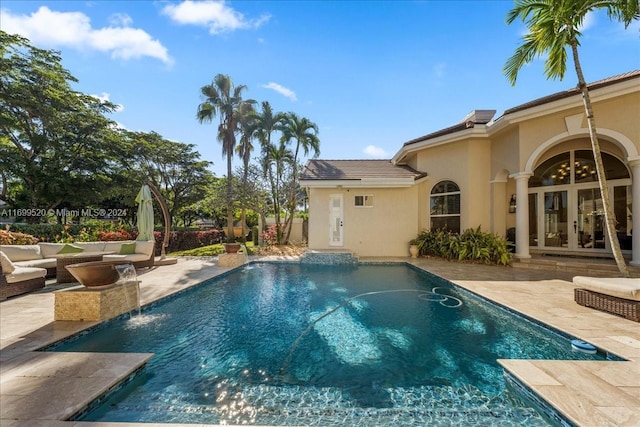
x=572 y=217
x=336 y=212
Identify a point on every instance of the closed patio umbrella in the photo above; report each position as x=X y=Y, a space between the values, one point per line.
x=145 y=213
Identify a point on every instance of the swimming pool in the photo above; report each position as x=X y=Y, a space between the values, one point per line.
x=291 y=344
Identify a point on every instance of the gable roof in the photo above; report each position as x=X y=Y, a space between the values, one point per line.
x=358 y=173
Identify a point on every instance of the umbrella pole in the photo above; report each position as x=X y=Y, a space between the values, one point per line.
x=165 y=214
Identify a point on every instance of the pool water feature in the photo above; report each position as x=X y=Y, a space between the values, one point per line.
x=329 y=345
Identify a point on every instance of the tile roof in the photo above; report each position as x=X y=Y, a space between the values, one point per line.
x=316 y=169
x=574 y=91
x=536 y=102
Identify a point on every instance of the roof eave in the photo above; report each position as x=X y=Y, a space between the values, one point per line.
x=572 y=101
x=478 y=131
x=359 y=183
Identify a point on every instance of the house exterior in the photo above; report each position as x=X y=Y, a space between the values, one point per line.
x=528 y=174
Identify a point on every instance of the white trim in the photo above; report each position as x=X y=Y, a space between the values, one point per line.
x=619 y=139
x=362 y=183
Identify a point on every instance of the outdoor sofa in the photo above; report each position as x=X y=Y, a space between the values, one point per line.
x=43 y=255
x=16 y=280
x=619 y=296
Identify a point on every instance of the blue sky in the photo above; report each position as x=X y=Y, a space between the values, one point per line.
x=371 y=74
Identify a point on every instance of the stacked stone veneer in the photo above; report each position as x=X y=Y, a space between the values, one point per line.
x=232 y=260
x=95 y=305
x=315 y=257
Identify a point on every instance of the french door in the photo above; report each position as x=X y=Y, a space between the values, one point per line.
x=572 y=217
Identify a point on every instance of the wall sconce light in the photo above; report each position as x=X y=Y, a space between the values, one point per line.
x=512 y=204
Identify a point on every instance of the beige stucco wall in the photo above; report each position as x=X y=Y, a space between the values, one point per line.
x=619 y=114
x=467 y=163
x=483 y=168
x=382 y=230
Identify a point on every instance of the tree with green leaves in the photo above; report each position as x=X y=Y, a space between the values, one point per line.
x=303 y=133
x=173 y=167
x=223 y=99
x=554 y=26
x=266 y=123
x=57 y=142
x=244 y=149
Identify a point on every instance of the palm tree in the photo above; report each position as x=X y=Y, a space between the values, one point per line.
x=224 y=99
x=267 y=122
x=305 y=134
x=244 y=149
x=554 y=26
x=278 y=157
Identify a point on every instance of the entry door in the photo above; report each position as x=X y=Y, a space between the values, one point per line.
x=335 y=220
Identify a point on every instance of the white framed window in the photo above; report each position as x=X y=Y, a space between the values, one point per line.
x=363 y=201
x=445 y=207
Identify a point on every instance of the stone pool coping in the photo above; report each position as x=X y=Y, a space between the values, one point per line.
x=40 y=392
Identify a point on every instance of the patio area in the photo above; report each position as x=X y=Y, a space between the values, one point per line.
x=43 y=389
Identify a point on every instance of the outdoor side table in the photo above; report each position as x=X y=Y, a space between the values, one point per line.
x=63 y=275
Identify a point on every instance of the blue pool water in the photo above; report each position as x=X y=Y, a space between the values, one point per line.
x=329 y=345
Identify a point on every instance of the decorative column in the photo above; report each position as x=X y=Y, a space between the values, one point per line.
x=522 y=214
x=635 y=209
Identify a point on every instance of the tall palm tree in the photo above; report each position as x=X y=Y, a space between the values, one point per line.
x=278 y=157
x=244 y=149
x=266 y=123
x=305 y=134
x=554 y=26
x=223 y=99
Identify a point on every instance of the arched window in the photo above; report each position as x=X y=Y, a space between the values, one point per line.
x=445 y=207
x=562 y=170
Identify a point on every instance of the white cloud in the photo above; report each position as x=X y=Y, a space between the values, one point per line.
x=120 y=19
x=104 y=97
x=215 y=15
x=281 y=90
x=376 y=152
x=73 y=29
x=439 y=70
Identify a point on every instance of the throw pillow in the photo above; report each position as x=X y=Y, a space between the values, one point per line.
x=7 y=265
x=70 y=249
x=128 y=248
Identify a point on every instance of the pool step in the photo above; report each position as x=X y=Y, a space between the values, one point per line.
x=328 y=257
x=331 y=406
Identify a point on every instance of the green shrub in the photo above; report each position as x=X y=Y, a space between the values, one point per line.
x=472 y=246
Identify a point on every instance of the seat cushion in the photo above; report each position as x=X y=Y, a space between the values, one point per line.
x=132 y=257
x=115 y=246
x=627 y=288
x=21 y=252
x=21 y=274
x=48 y=250
x=40 y=263
x=145 y=247
x=91 y=246
x=5 y=262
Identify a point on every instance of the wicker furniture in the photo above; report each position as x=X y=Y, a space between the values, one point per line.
x=63 y=275
x=629 y=309
x=22 y=287
x=619 y=296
